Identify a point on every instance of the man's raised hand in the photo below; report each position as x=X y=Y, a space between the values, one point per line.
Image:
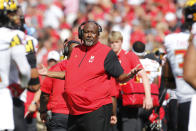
x=134 y=71
x=43 y=70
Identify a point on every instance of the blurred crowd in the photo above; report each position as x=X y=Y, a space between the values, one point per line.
x=53 y=21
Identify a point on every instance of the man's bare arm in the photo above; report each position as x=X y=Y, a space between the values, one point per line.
x=123 y=78
x=190 y=64
x=58 y=75
x=147 y=104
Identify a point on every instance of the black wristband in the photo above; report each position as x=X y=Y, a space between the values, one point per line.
x=34 y=81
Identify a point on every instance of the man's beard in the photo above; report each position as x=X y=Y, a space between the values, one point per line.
x=88 y=43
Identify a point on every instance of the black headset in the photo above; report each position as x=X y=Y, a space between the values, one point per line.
x=66 y=48
x=81 y=30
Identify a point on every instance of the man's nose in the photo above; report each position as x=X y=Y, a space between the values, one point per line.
x=89 y=34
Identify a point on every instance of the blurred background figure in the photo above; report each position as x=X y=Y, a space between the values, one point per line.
x=128 y=114
x=22 y=99
x=53 y=58
x=151 y=67
x=176 y=45
x=15 y=69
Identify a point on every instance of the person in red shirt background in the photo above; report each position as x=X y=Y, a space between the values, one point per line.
x=52 y=97
x=128 y=60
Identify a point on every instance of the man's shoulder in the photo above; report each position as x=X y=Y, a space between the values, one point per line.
x=176 y=40
x=151 y=62
x=30 y=40
x=105 y=47
x=176 y=36
x=6 y=33
x=131 y=54
x=19 y=33
x=28 y=37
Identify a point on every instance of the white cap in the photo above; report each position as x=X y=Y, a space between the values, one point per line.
x=53 y=55
x=170 y=16
x=65 y=34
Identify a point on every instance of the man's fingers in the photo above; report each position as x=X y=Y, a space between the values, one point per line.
x=42 y=66
x=136 y=68
x=190 y=38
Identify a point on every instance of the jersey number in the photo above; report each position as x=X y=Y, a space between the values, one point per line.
x=180 y=52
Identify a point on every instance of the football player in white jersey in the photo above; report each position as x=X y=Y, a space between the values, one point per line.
x=176 y=45
x=151 y=67
x=11 y=49
x=153 y=71
x=21 y=97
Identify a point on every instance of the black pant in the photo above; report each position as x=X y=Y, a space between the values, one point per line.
x=98 y=120
x=130 y=120
x=183 y=116
x=58 y=122
x=19 y=120
x=31 y=123
x=171 y=115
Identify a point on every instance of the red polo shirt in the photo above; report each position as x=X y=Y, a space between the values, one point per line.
x=55 y=88
x=87 y=86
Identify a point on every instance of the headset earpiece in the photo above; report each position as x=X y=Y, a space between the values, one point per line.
x=66 y=51
x=80 y=30
x=66 y=48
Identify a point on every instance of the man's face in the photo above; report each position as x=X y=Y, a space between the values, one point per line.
x=90 y=36
x=51 y=63
x=116 y=45
x=14 y=17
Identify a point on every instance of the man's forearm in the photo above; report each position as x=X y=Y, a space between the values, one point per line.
x=146 y=83
x=37 y=96
x=57 y=75
x=114 y=103
x=44 y=98
x=189 y=65
x=34 y=83
x=123 y=78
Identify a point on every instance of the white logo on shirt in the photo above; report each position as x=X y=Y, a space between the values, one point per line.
x=91 y=59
